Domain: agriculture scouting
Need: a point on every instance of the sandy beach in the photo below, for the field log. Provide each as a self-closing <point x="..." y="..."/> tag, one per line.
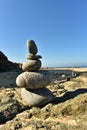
<point x="67" y="111"/>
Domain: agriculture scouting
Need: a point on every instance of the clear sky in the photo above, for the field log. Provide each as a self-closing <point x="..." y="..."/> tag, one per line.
<point x="59" y="28"/>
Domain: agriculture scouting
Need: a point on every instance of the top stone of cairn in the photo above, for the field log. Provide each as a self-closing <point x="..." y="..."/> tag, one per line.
<point x="31" y="46"/>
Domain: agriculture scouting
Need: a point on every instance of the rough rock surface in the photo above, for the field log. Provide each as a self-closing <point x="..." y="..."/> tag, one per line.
<point x="6" y="65"/>
<point x="68" y="111"/>
<point x="33" y="80"/>
<point x="38" y="97"/>
<point x="31" y="65"/>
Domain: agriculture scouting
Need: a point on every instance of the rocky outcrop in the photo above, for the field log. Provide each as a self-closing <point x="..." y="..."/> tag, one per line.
<point x="6" y="65"/>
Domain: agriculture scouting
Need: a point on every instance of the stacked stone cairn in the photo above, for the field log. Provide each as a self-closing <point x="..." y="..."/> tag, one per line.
<point x="33" y="80"/>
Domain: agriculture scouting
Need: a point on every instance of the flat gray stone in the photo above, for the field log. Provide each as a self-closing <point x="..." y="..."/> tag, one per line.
<point x="31" y="65"/>
<point x="33" y="80"/>
<point x="33" y="57"/>
<point x="38" y="97"/>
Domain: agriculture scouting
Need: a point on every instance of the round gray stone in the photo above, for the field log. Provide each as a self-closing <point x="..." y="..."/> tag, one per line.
<point x="38" y="97"/>
<point x="33" y="80"/>
<point x="31" y="65"/>
<point x="32" y="48"/>
<point x="33" y="57"/>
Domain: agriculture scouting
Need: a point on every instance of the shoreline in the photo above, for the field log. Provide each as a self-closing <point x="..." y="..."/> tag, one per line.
<point x="72" y="68"/>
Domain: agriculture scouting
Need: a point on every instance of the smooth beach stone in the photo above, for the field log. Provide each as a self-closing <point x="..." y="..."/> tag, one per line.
<point x="31" y="65"/>
<point x="38" y="97"/>
<point x="33" y="57"/>
<point x="32" y="48"/>
<point x="33" y="80"/>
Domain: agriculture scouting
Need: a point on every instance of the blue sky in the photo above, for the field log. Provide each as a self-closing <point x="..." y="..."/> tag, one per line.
<point x="59" y="28"/>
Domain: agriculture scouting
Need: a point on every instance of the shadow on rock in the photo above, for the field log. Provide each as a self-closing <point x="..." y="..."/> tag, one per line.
<point x="8" y="113"/>
<point x="69" y="95"/>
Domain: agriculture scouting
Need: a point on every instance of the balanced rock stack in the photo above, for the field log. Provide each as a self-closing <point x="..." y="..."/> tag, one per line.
<point x="33" y="81"/>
